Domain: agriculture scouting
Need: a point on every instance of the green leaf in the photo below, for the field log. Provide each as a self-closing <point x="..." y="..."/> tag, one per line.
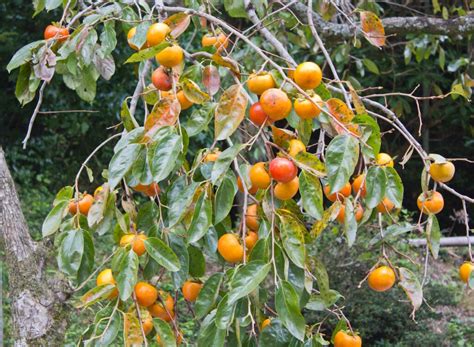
<point x="208" y="295"/>
<point x="127" y="274"/>
<point x="210" y="334"/>
<point x="95" y="295"/>
<point x="274" y="335"/>
<point x="65" y="194"/>
<point x="235" y="8"/>
<point x="202" y="218"/>
<point x="394" y="190"/>
<point x="433" y="235"/>
<point x="412" y="287"/>
<point x="139" y="39"/>
<point x="289" y="311"/>
<point x="87" y="260"/>
<point x="197" y="262"/>
<point x="225" y="313"/>
<point x="26" y="85"/>
<point x="108" y="39"/>
<point x="147" y="53"/>
<point x="129" y="122"/>
<point x="108" y="336"/>
<point x="52" y="4"/>
<point x="247" y="278"/>
<point x="178" y="246"/>
<point x="230" y="111"/>
<point x="53" y="220"/>
<point x="292" y="234"/>
<point x="162" y="155"/>
<point x="200" y="118"/>
<point x="371" y="66"/>
<point x="317" y="303"/>
<point x="23" y="55"/>
<point x="376" y="182"/>
<point x="71" y="251"/>
<point x="342" y="154"/>
<point x="223" y="162"/>
<point x="163" y="330"/>
<point x="121" y="162"/>
<point x="350" y="222"/>
<point x="180" y="197"/>
<point x="311" y="194"/>
<point x="162" y="254"/>
<point x="319" y="270"/>
<point x="224" y="199"/>
<point x="370" y="126"/>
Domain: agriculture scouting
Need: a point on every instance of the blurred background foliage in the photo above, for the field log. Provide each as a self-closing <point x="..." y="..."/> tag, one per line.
<point x="60" y="142"/>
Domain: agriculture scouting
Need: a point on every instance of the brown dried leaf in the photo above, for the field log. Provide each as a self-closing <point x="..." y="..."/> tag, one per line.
<point x="373" y="28"/>
<point x="230" y="111"/>
<point x="228" y="63"/>
<point x="178" y="23"/>
<point x="211" y="79"/>
<point x="339" y="110"/>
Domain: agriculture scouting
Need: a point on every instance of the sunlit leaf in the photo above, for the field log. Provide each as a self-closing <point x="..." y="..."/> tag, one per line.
<point x="339" y="110"/>
<point x="373" y="28"/>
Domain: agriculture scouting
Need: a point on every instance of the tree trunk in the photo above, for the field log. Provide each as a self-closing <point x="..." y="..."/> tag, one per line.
<point x="37" y="301"/>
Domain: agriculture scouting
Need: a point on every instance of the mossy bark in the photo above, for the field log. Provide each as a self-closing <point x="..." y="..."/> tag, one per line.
<point x="37" y="298"/>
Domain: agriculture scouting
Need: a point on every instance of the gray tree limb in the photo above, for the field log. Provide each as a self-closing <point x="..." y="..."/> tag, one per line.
<point x="453" y="27"/>
<point x="37" y="301"/>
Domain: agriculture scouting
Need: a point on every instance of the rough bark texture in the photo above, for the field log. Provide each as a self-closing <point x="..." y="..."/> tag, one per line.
<point x="455" y="27"/>
<point x="37" y="301"/>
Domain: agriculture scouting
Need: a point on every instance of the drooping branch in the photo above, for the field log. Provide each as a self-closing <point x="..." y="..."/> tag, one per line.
<point x="460" y="26"/>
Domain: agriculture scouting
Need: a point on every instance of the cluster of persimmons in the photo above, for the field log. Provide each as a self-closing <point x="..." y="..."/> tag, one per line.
<point x="279" y="174"/>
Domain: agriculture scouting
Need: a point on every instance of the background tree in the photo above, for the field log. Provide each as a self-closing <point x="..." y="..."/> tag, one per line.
<point x="342" y="55"/>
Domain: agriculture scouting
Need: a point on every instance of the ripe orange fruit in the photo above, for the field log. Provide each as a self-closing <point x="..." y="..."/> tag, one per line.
<point x="257" y="116"/>
<point x="252" y="190"/>
<point x="286" y="191"/>
<point x="308" y="75"/>
<point x="170" y="56"/>
<point x="104" y="278"/>
<point x="430" y="202"/>
<point x="251" y="217"/>
<point x="275" y="103"/>
<point x="58" y="33"/>
<point x="381" y="279"/>
<point x="137" y="242"/>
<point x="465" y="271"/>
<point x="295" y="147"/>
<point x="340" y="195"/>
<point x="282" y="170"/>
<point x="131" y="33"/>
<point x="344" y="339"/>
<point x="306" y="109"/>
<point x="161" y="79"/>
<point x="251" y="239"/>
<point x="442" y="172"/>
<point x="259" y="177"/>
<point x="266" y="322"/>
<point x="191" y="290"/>
<point x="84" y="205"/>
<point x="156" y="34"/>
<point x="152" y="189"/>
<point x="220" y="41"/>
<point x="258" y="83"/>
<point x="229" y="248"/>
<point x="160" y="311"/>
<point x="359" y="213"/>
<point x="383" y="159"/>
<point x="183" y="100"/>
<point x="357" y="185"/>
<point x="385" y="206"/>
<point x="211" y="157"/>
<point x="145" y="293"/>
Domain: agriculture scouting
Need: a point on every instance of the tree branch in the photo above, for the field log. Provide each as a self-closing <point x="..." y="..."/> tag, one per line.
<point x="460" y="26"/>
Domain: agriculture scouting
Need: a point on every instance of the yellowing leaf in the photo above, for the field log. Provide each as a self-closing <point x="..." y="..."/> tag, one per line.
<point x="412" y="288"/>
<point x="178" y="23"/>
<point x="282" y="136"/>
<point x="228" y="63"/>
<point x="165" y="112"/>
<point x="373" y="28"/>
<point x="230" y="112"/>
<point x="193" y="93"/>
<point x="132" y="331"/>
<point x="339" y="110"/>
<point x="211" y="79"/>
<point x="359" y="106"/>
<point x="328" y="216"/>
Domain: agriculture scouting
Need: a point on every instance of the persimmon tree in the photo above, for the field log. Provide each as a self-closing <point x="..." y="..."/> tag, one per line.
<point x="234" y="227"/>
